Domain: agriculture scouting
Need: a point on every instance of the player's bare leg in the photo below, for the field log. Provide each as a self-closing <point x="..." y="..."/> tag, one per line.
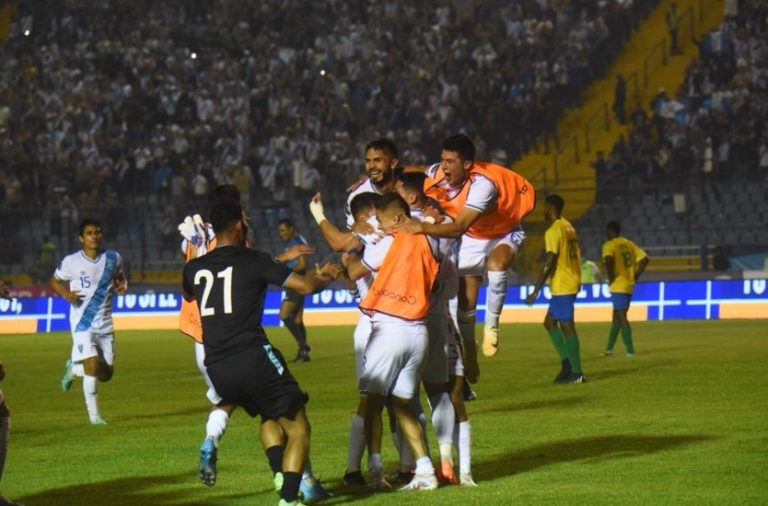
<point x="424" y="479"/>
<point x="469" y="287"/>
<point x="296" y="452"/>
<point x="498" y="265"/>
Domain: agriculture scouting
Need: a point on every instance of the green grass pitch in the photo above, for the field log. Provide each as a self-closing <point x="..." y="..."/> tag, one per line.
<point x="684" y="422"/>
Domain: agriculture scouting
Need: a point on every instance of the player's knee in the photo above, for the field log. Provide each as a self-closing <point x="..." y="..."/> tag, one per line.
<point x="105" y="372"/>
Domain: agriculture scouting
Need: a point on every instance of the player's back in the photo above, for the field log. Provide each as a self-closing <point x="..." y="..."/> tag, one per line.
<point x="230" y="285"/>
<point x="561" y="238"/>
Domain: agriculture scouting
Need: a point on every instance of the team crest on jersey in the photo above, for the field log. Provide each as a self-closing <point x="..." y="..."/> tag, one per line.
<point x="80" y="348"/>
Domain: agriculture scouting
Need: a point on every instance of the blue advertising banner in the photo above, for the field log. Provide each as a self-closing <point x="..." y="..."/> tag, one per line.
<point x="664" y="300"/>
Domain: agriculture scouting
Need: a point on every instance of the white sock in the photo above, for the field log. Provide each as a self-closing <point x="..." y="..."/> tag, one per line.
<point x="424" y="466"/>
<point x="356" y="443"/>
<point x="467" y="328"/>
<point x="497" y="291"/>
<point x="443" y="420"/>
<point x="91" y="397"/>
<point x="465" y="443"/>
<point x="218" y="419"/>
<point x="374" y="463"/>
<point x="77" y="370"/>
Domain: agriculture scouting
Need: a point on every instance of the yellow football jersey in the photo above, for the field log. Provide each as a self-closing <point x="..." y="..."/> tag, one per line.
<point x="561" y="239"/>
<point x="625" y="256"/>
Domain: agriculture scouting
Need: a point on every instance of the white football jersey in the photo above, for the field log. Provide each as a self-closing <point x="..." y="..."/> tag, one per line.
<point x="94" y="279"/>
<point x="364" y="187"/>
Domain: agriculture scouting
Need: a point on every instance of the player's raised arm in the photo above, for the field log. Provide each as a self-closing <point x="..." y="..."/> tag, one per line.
<point x="294" y="252"/>
<point x="337" y="239"/>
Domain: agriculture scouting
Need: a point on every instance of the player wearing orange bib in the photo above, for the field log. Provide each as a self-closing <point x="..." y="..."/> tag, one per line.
<point x="624" y="262"/>
<point x="487" y="203"/>
<point x="397" y="302"/>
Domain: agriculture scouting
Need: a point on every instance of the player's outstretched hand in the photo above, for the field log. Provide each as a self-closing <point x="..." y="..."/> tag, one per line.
<point x="410" y="226"/>
<point x="362" y="228"/>
<point x="316" y="208"/>
<point x="4" y="293"/>
<point x="531" y="298"/>
<point x="75" y="297"/>
<point x="294" y="252"/>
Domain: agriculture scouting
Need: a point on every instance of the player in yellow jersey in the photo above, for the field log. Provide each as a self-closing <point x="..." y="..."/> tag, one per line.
<point x="562" y="266"/>
<point x="624" y="262"/>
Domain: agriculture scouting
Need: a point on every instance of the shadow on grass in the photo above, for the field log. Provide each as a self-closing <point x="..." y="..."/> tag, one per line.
<point x="132" y="491"/>
<point x="591" y="449"/>
<point x="530" y="405"/>
<point x="610" y="373"/>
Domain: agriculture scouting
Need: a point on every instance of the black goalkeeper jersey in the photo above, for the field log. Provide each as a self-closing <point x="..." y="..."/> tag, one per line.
<point x="230" y="285"/>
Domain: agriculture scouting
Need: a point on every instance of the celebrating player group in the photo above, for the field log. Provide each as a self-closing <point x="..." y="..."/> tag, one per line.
<point x="416" y="246"/>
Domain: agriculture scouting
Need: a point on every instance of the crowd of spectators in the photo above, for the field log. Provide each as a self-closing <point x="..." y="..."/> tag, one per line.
<point x="103" y="101"/>
<point x="714" y="129"/>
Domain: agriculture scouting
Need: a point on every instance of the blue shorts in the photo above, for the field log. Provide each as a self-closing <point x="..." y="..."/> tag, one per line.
<point x="561" y="307"/>
<point x="621" y="301"/>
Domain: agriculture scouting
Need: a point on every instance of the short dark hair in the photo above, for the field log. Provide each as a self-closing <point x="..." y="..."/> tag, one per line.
<point x="393" y="200"/>
<point x="614" y="226"/>
<point x="462" y="145"/>
<point x="555" y="201"/>
<point x="287" y="222"/>
<point x="413" y="181"/>
<point x="363" y="201"/>
<point x="86" y="222"/>
<point x="223" y="193"/>
<point x="383" y="144"/>
<point x="224" y="215"/>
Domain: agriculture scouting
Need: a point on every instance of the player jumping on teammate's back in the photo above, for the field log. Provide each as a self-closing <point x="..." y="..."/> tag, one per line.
<point x="487" y="203"/>
<point x="624" y="263"/>
<point x="562" y="266"/>
<point x="229" y="285"/>
<point x="87" y="279"/>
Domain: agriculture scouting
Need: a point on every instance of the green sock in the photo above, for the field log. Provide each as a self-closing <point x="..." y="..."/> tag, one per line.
<point x="612" y="335"/>
<point x="626" y="336"/>
<point x="572" y="344"/>
<point x="558" y="342"/>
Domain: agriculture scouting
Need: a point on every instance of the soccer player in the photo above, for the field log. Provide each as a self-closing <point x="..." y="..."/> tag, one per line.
<point x="199" y="238"/>
<point x="443" y="360"/>
<point x="87" y="279"/>
<point x="406" y="266"/>
<point x="292" y="306"/>
<point x="487" y="203"/>
<point x="4" y="292"/>
<point x="229" y="285"/>
<point x="624" y="263"/>
<point x="380" y="163"/>
<point x="5" y="422"/>
<point x="562" y="266"/>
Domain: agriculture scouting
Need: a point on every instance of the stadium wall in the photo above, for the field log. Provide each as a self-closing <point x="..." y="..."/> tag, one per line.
<point x="656" y="300"/>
